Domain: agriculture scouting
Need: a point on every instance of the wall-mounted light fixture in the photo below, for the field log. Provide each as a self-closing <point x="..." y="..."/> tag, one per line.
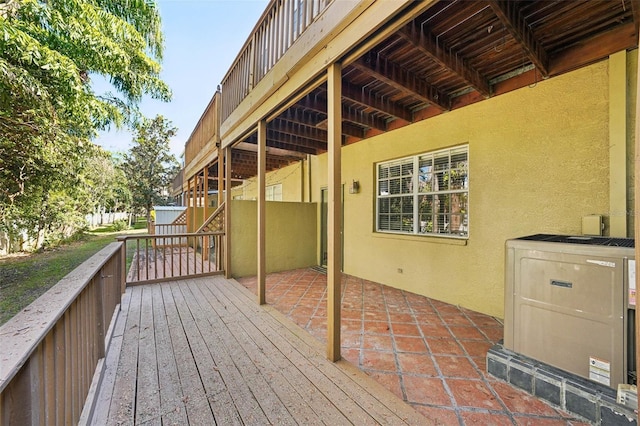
<point x="355" y="187"/>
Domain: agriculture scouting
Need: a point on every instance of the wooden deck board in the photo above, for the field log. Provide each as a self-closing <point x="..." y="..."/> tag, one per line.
<point x="122" y="410"/>
<point x="147" y="387"/>
<point x="301" y="393"/>
<point x="357" y="403"/>
<point x="172" y="408"/>
<point x="193" y="395"/>
<point x="221" y="359"/>
<point x="112" y="358"/>
<point x="266" y="373"/>
<point x="212" y="370"/>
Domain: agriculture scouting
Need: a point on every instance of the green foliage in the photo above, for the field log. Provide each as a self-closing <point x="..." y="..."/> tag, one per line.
<point x="149" y="166"/>
<point x="120" y="225"/>
<point x="50" y="174"/>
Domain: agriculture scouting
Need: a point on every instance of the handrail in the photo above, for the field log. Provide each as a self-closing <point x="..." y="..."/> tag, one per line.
<point x="280" y="26"/>
<point x="215" y="222"/>
<point x="51" y="349"/>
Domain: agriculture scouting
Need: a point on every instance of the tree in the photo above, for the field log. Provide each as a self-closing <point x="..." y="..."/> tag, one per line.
<point x="108" y="183"/>
<point x="49" y="50"/>
<point x="149" y="165"/>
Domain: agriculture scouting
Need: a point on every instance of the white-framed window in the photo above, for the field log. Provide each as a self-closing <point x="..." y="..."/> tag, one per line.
<point x="273" y="192"/>
<point x="426" y="194"/>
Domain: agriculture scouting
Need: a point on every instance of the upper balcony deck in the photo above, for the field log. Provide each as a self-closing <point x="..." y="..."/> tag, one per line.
<point x="402" y="62"/>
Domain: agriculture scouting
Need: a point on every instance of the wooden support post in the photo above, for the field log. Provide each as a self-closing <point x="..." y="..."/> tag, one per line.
<point x="227" y="214"/>
<point x="190" y="205"/>
<point x="334" y="210"/>
<point x="205" y="185"/>
<point x="220" y="176"/>
<point x="618" y="144"/>
<point x="262" y="162"/>
<point x="636" y="225"/>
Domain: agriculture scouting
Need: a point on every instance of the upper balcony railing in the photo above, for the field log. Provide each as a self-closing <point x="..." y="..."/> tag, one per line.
<point x="176" y="186"/>
<point x="280" y="26"/>
<point x="205" y="132"/>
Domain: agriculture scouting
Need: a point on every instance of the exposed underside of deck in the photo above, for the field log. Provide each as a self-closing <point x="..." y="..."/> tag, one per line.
<point x="201" y="351"/>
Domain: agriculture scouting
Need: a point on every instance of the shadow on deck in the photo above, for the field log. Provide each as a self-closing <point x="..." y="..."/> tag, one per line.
<point x="200" y="351"/>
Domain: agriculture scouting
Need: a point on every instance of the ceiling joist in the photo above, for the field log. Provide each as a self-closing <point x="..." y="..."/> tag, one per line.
<point x="508" y="14"/>
<point x="364" y="98"/>
<point x="401" y="79"/>
<point x="318" y="104"/>
<point x="427" y="45"/>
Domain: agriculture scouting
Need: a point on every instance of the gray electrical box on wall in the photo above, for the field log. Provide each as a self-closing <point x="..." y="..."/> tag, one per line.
<point x="567" y="304"/>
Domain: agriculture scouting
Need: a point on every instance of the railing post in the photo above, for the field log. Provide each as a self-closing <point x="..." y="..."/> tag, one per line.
<point x="100" y="322"/>
<point x="252" y="63"/>
<point x="122" y="270"/>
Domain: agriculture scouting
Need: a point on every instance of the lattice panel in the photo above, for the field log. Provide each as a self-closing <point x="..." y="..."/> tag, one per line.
<point x="215" y="223"/>
<point x="182" y="219"/>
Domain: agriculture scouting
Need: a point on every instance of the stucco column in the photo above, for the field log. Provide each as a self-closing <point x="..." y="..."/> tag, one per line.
<point x="262" y="163"/>
<point x="334" y="210"/>
<point x="618" y="144"/>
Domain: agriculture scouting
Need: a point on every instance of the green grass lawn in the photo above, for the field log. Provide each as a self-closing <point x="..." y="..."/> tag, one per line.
<point x="23" y="278"/>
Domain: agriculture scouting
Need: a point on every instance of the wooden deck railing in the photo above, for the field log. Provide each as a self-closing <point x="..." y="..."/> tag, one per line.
<point x="167" y="257"/>
<point x="280" y="26"/>
<point x="205" y="133"/>
<point x="176" y="186"/>
<point x="51" y="350"/>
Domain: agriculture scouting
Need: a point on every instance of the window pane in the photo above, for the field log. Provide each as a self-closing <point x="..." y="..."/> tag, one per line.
<point x="394" y="186"/>
<point x="394" y="170"/>
<point x="407" y="168"/>
<point x="383" y="205"/>
<point x="395" y="222"/>
<point x="383" y="223"/>
<point x="433" y="193"/>
<point x="407" y="185"/>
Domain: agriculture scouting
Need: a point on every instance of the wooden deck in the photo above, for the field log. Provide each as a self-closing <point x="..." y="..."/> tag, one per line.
<point x="201" y="351"/>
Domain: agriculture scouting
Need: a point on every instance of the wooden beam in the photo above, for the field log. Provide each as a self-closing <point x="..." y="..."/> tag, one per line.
<point x="318" y="104"/>
<point x="228" y="155"/>
<point x="205" y="190"/>
<point x="636" y="190"/>
<point x="594" y="49"/>
<point x="618" y="101"/>
<point x="288" y="143"/>
<point x="262" y="166"/>
<point x="220" y="176"/>
<point x="303" y="118"/>
<point x="445" y="57"/>
<point x="334" y="211"/>
<point x="635" y="9"/>
<point x="402" y="79"/>
<point x="299" y="130"/>
<point x="508" y="14"/>
<point x="363" y="97"/>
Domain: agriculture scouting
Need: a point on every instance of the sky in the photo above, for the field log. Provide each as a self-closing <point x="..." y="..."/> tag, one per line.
<point x="202" y="38"/>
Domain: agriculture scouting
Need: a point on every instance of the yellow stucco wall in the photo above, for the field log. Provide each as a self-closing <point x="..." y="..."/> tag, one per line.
<point x="538" y="163"/>
<point x="291" y="178"/>
<point x="199" y="218"/>
<point x="290" y="240"/>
